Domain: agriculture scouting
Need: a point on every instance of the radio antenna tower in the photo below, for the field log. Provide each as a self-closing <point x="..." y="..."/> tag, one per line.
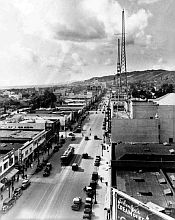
<point x="118" y="69"/>
<point x="123" y="78"/>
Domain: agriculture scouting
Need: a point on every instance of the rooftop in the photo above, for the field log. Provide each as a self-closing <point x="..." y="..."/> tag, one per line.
<point x="168" y="99"/>
<point x="18" y="134"/>
<point x="142" y="149"/>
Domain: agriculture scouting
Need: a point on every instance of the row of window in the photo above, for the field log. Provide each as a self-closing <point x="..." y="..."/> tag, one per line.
<point x="6" y="164"/>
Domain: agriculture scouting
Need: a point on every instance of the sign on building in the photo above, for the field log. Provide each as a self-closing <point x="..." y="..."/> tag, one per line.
<point x="126" y="207"/>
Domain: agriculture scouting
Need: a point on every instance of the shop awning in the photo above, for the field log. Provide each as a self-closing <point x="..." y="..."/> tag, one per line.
<point x="11" y="174"/>
<point x="1" y="185"/>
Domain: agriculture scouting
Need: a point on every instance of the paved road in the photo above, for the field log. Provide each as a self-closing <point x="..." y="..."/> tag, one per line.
<point x="51" y="197"/>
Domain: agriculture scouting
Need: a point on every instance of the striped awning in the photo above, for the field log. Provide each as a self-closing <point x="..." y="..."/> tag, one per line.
<point x="11" y="173"/>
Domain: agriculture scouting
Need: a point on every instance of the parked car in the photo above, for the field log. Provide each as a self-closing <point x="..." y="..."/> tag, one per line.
<point x="97" y="163"/>
<point x="86" y="216"/>
<point x="39" y="168"/>
<point x="56" y="149"/>
<point x="74" y="166"/>
<point x="17" y="192"/>
<point x="45" y="161"/>
<point x="95" y="176"/>
<point x="46" y="173"/>
<point x="49" y="166"/>
<point x="76" y="204"/>
<point x="8" y="204"/>
<point x="71" y="134"/>
<point x="25" y="184"/>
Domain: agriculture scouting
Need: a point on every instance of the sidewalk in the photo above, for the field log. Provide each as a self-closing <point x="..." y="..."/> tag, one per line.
<point x="30" y="171"/>
<point x="103" y="188"/>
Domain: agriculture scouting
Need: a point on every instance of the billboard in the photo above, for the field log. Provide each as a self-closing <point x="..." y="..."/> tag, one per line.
<point x="126" y="207"/>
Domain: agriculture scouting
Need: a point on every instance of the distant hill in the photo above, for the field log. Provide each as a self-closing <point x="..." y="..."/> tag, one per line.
<point x="150" y="76"/>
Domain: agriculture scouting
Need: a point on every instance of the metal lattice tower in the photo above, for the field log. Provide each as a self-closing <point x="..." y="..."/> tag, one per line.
<point x="124" y="83"/>
<point x="118" y="69"/>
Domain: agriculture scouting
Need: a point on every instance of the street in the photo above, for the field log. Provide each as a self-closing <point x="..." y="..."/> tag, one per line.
<point x="51" y="197"/>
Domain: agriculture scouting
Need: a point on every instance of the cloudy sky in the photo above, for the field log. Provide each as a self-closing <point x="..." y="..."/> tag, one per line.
<point x="53" y="41"/>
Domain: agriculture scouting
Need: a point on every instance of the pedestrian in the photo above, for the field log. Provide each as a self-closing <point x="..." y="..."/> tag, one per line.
<point x="1" y="197"/>
<point x="12" y="188"/>
<point x="101" y="179"/>
<point x="84" y="189"/>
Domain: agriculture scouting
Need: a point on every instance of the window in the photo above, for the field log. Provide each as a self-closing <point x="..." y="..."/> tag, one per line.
<point x="0" y="169"/>
<point x="11" y="161"/>
<point x="26" y="152"/>
<point x="5" y="165"/>
<point x="30" y="149"/>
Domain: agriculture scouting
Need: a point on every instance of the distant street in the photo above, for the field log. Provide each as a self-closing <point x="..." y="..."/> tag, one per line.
<point x="51" y="197"/>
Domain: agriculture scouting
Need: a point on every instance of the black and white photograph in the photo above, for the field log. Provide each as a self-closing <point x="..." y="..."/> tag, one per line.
<point x="87" y="109"/>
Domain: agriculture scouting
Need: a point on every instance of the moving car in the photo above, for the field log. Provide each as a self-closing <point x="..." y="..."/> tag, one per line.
<point x="95" y="137"/>
<point x="25" y="184"/>
<point x="74" y="166"/>
<point x="76" y="204"/>
<point x="85" y="155"/>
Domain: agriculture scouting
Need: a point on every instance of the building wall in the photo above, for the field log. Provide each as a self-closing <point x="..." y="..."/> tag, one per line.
<point x="40" y="126"/>
<point x="166" y="114"/>
<point x="6" y="162"/>
<point x="135" y="130"/>
<point x="142" y="109"/>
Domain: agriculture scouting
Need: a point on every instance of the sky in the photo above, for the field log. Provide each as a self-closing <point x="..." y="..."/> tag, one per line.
<point x="55" y="41"/>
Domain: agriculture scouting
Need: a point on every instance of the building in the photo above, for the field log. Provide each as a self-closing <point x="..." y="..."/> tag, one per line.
<point x="166" y="115"/>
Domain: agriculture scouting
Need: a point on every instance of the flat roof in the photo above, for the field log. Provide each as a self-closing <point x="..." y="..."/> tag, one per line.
<point x="148" y="191"/>
<point x="7" y="133"/>
<point x="6" y="147"/>
<point x="168" y="99"/>
<point x="142" y="148"/>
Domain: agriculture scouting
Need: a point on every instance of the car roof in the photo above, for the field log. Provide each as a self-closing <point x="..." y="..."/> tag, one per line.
<point x="24" y="181"/>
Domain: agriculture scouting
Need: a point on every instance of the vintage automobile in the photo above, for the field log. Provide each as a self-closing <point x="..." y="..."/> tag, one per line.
<point x="85" y="156"/>
<point x="73" y="138"/>
<point x="17" y="192"/>
<point x="46" y="173"/>
<point x="76" y="204"/>
<point x="25" y="184"/>
<point x="8" y="204"/>
<point x="49" y="166"/>
<point x="39" y="168"/>
<point x="74" y="166"/>
<point x="95" y="137"/>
